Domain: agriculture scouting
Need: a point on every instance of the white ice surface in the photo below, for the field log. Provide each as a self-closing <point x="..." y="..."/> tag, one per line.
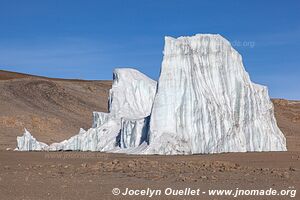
<point x="28" y="143"/>
<point x="134" y="132"/>
<point x="131" y="99"/>
<point x="99" y="118"/>
<point x="204" y="102"/>
<point x="131" y="95"/>
<point x="207" y="102"/>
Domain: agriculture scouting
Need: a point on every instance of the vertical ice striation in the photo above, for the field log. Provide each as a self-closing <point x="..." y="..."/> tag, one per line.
<point x="130" y="103"/>
<point x="100" y="138"/>
<point x="206" y="100"/>
<point x="134" y="132"/>
<point x="28" y="143"/>
<point x="131" y="95"/>
<point x="99" y="118"/>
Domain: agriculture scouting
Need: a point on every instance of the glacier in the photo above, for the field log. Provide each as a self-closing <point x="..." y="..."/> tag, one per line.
<point x="204" y="102"/>
<point x="130" y="102"/>
<point x="28" y="143"/>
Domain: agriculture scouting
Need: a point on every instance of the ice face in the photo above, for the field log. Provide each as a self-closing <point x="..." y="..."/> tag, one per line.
<point x="126" y="125"/>
<point x="132" y="94"/>
<point x="99" y="118"/>
<point x="134" y="132"/>
<point x="28" y="143"/>
<point x="204" y="102"/>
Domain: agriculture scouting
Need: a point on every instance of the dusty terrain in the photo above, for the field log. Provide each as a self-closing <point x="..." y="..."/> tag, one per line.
<point x="60" y="107"/>
<point x="82" y="175"/>
<point x="287" y="114"/>
<point x="51" y="109"/>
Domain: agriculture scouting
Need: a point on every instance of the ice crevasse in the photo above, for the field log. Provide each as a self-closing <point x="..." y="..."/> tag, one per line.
<point x="203" y="102"/>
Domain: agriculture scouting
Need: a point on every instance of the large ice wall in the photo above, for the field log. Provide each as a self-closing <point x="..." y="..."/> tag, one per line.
<point x="204" y="102"/>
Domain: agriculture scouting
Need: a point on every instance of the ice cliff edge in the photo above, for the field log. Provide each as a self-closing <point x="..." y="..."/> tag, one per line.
<point x="203" y="102"/>
<point x="206" y="100"/>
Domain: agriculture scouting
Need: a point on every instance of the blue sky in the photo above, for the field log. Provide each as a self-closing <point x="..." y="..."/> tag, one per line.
<point x="87" y="39"/>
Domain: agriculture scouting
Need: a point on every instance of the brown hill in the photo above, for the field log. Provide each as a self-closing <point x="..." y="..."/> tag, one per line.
<point x="287" y="114"/>
<point x="55" y="109"/>
<point x="52" y="109"/>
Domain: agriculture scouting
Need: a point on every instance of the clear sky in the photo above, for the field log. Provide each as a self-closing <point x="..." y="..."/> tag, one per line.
<point x="86" y="39"/>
